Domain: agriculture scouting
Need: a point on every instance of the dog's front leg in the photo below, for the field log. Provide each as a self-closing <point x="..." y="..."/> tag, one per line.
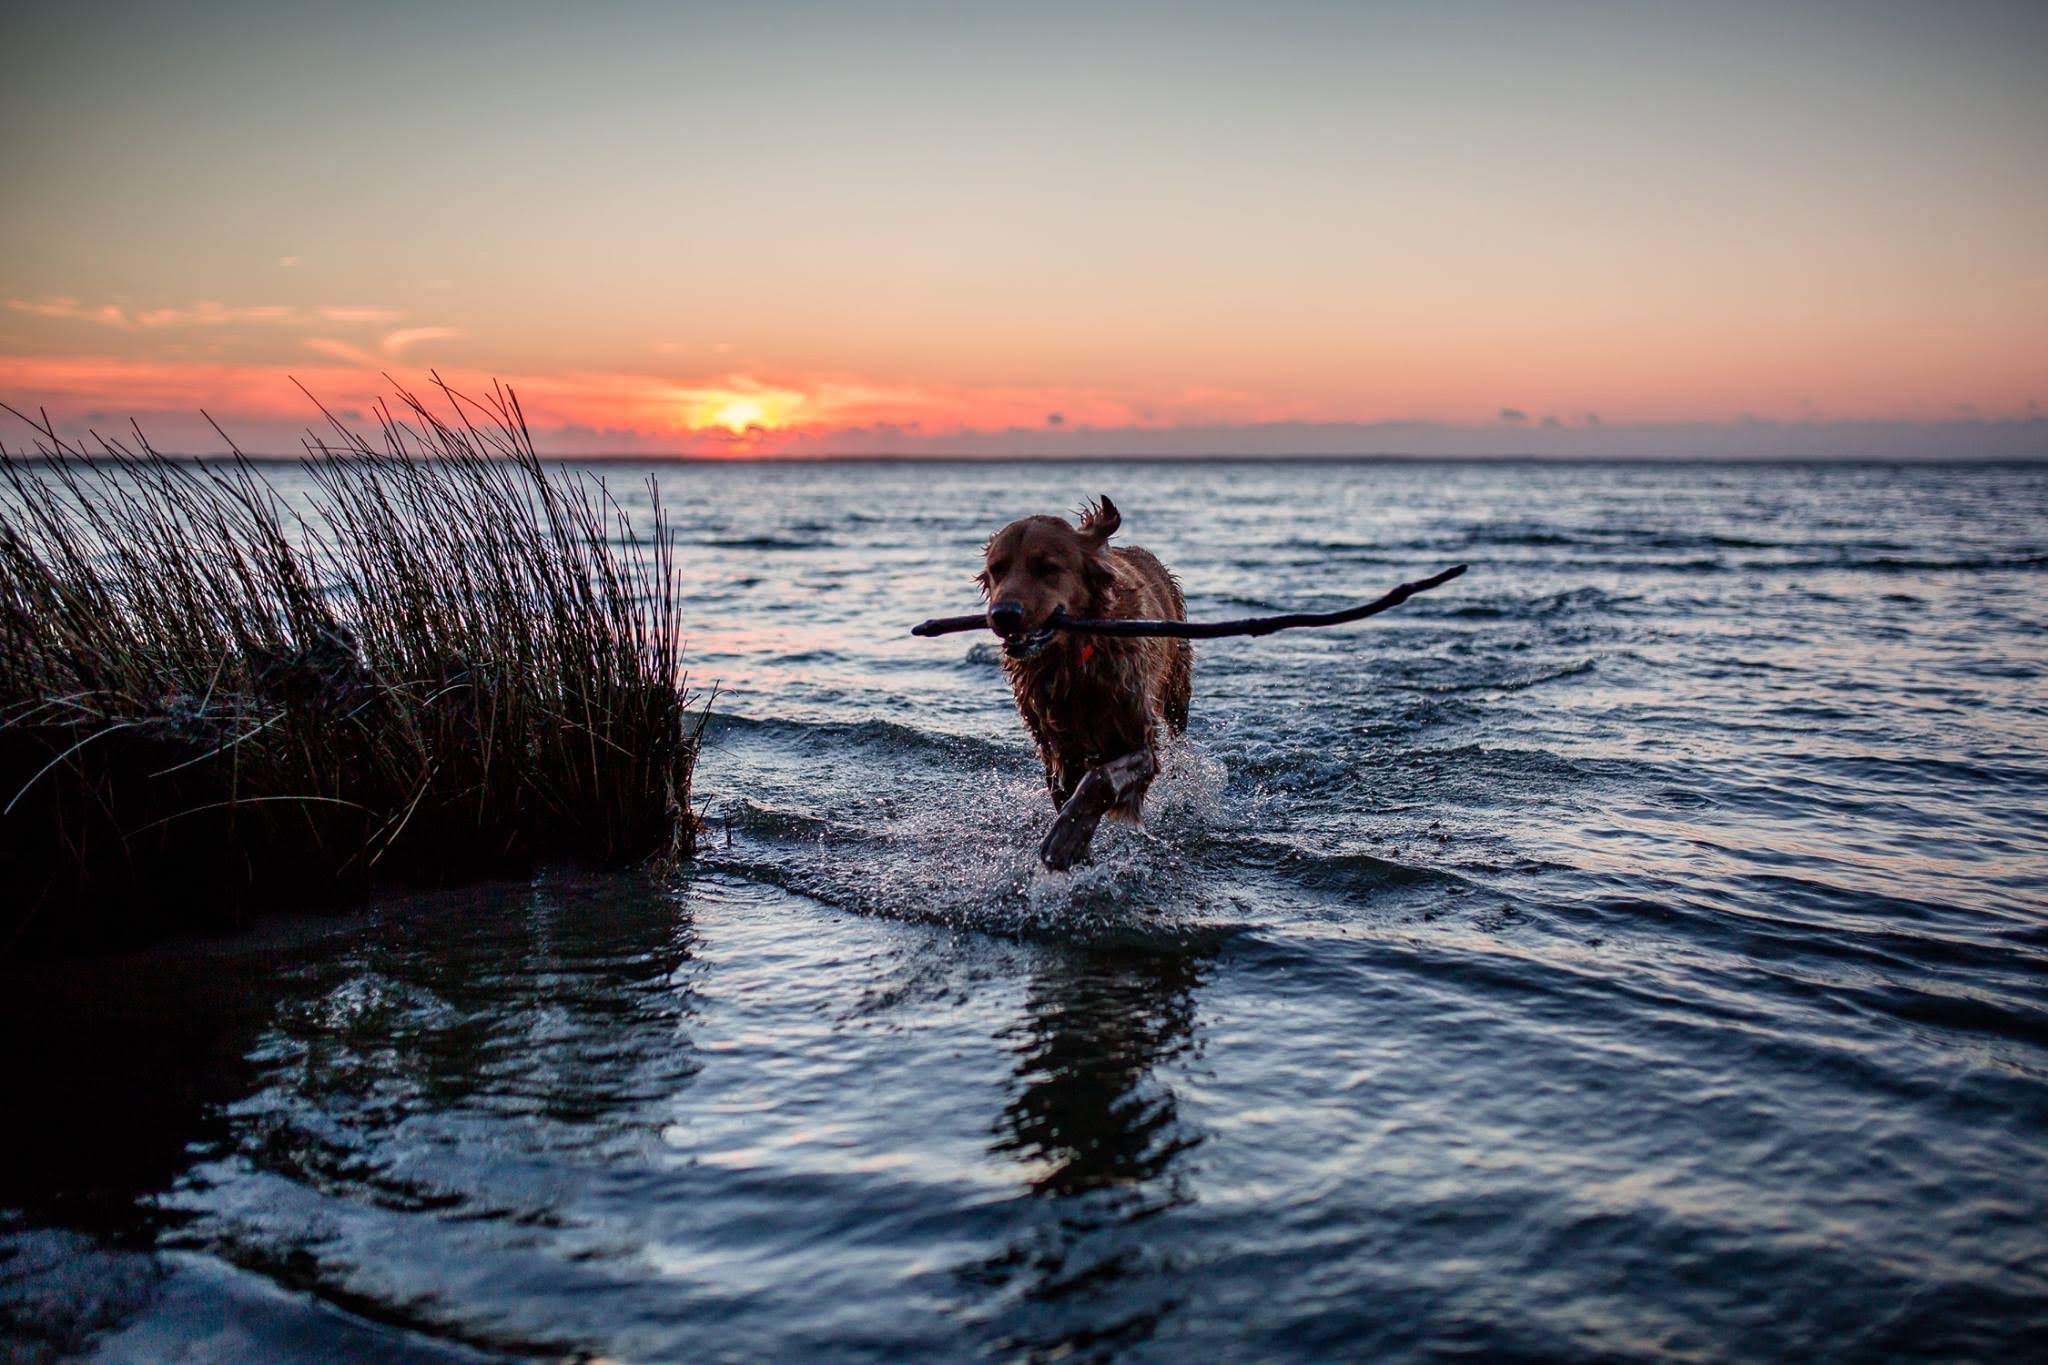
<point x="1101" y="788"/>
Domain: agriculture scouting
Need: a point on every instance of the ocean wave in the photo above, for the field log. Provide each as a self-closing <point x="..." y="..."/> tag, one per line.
<point x="1518" y="684"/>
<point x="1131" y="895"/>
<point x="749" y="816"/>
<point x="1581" y="599"/>
<point x="1905" y="563"/>
<point x="1634" y="563"/>
<point x="887" y="736"/>
<point x="1352" y="871"/>
<point x="964" y="852"/>
<point x="765" y="542"/>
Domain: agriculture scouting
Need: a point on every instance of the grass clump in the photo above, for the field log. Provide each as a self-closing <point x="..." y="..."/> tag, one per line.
<point x="449" y="661"/>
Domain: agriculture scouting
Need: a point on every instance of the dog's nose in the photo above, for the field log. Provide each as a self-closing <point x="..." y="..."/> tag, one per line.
<point x="1006" y="619"/>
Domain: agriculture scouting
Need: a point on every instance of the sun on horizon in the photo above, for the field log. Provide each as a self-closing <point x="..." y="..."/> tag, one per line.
<point x="739" y="414"/>
<point x="1283" y="230"/>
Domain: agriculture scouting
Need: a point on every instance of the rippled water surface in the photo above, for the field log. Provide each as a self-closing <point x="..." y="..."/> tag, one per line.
<point x="1638" y="947"/>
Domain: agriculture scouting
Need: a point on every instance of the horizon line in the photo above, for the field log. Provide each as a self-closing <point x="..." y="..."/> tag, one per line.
<point x="1021" y="457"/>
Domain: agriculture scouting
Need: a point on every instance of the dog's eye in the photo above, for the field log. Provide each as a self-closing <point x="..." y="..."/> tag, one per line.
<point x="1045" y="568"/>
<point x="999" y="568"/>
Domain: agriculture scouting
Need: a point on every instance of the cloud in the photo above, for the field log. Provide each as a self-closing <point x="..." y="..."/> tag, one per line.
<point x="71" y="310"/>
<point x="395" y="343"/>
<point x="204" y="313"/>
<point x="208" y="313"/>
<point x="1055" y="419"/>
<point x="1513" y="415"/>
<point x="361" y="313"/>
<point x="343" y="350"/>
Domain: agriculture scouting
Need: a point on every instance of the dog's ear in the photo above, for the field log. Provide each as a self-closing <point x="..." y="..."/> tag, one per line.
<point x="1099" y="519"/>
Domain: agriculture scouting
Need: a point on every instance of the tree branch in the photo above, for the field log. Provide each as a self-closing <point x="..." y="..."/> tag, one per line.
<point x="1206" y="630"/>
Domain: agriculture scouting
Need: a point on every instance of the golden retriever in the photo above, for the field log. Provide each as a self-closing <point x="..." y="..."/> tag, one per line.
<point x="1093" y="703"/>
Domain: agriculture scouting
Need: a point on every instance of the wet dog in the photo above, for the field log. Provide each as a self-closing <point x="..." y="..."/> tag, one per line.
<point x="1094" y="704"/>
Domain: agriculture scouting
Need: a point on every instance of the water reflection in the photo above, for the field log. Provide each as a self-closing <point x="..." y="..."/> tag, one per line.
<point x="447" y="1066"/>
<point x="356" y="1112"/>
<point x="1087" y="1113"/>
<point x="1100" y="1134"/>
<point x="523" y="1009"/>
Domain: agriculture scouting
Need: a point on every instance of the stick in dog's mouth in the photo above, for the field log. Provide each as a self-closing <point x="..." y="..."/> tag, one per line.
<point x="1028" y="646"/>
<point x="1032" y="643"/>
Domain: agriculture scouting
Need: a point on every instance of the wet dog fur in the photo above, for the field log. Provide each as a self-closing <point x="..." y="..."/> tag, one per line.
<point x="1094" y="704"/>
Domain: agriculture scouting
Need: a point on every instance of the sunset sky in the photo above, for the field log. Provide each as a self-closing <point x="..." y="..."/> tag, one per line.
<point x="763" y="228"/>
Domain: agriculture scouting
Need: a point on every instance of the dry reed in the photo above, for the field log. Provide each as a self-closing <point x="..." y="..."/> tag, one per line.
<point x="450" y="661"/>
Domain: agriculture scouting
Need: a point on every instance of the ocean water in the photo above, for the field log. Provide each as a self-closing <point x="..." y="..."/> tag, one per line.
<point x="1635" y="949"/>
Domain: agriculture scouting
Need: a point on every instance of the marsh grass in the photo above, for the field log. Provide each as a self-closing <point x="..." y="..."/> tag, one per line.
<point x="451" y="661"/>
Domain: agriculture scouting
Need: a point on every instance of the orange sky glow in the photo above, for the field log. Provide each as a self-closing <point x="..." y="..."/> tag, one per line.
<point x="806" y="229"/>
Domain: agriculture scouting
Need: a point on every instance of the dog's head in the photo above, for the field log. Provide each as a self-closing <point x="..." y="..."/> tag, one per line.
<point x="1040" y="567"/>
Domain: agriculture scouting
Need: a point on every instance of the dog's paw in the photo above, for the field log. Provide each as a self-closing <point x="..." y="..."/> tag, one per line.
<point x="1068" y="841"/>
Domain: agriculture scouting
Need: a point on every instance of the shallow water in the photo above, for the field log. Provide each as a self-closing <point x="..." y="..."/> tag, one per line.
<point x="1638" y="947"/>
